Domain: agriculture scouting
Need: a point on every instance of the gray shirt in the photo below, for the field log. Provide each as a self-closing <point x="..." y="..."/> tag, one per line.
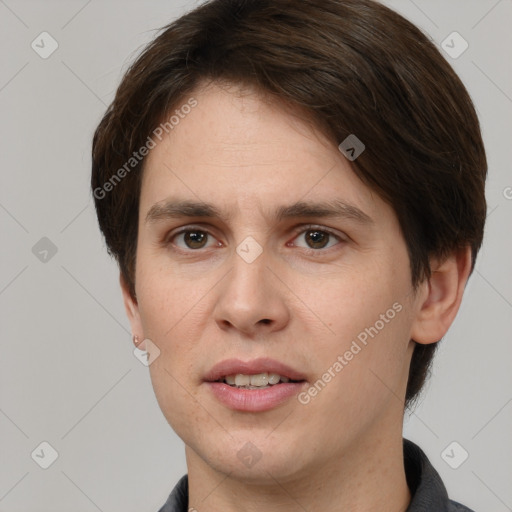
<point x="427" y="489"/>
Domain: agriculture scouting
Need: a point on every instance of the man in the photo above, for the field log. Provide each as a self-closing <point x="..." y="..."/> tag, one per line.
<point x="294" y="192"/>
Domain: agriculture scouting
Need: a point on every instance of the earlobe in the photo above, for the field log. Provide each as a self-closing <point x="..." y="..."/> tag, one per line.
<point x="440" y="303"/>
<point x="132" y="312"/>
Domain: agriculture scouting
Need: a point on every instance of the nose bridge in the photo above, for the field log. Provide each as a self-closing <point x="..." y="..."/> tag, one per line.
<point x="251" y="297"/>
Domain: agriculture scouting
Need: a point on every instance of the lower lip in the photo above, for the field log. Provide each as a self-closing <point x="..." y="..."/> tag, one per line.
<point x="255" y="400"/>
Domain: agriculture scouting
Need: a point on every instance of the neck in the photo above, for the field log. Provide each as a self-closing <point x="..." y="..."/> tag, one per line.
<point x="365" y="478"/>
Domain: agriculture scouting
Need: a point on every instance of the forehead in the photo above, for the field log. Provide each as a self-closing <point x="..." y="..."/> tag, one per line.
<point x="238" y="150"/>
<point x="239" y="127"/>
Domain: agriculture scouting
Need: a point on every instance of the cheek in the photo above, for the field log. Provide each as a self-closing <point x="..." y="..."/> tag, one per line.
<point x="168" y="315"/>
<point x="174" y="312"/>
<point x="342" y="305"/>
<point x="364" y="323"/>
<point x="167" y="299"/>
<point x="358" y="381"/>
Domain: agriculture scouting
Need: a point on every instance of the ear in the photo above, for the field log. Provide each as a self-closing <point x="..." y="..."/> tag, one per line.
<point x="132" y="312"/>
<point x="442" y="297"/>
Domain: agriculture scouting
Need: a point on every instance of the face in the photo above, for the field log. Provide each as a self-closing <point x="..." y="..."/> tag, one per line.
<point x="292" y="259"/>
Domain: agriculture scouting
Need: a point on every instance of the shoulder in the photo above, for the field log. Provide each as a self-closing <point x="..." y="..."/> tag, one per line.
<point x="453" y="506"/>
<point x="427" y="488"/>
<point x="178" y="499"/>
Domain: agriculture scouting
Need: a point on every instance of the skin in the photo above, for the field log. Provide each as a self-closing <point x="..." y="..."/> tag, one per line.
<point x="297" y="302"/>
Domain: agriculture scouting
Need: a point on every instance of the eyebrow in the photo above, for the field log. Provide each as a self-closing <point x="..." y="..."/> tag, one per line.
<point x="336" y="209"/>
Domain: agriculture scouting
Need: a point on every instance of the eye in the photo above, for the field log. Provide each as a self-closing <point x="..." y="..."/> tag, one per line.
<point x="316" y="238"/>
<point x="191" y="238"/>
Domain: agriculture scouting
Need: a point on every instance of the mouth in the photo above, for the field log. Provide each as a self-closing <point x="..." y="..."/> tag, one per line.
<point x="258" y="381"/>
<point x="254" y="386"/>
<point x="262" y="372"/>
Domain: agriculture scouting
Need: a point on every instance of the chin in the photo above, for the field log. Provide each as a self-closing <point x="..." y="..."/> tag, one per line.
<point x="264" y="472"/>
<point x="254" y="458"/>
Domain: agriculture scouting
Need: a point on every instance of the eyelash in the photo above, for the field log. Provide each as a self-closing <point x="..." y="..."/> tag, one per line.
<point x="298" y="231"/>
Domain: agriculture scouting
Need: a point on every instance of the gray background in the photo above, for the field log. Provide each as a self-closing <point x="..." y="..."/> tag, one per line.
<point x="68" y="374"/>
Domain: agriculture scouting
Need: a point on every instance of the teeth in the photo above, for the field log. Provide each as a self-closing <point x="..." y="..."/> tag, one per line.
<point x="260" y="380"/>
<point x="242" y="380"/>
<point x="273" y="378"/>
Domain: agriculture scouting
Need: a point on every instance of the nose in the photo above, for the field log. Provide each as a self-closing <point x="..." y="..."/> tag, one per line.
<point x="251" y="299"/>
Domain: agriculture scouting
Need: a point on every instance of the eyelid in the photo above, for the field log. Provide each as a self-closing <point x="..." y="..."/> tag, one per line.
<point x="207" y="228"/>
<point x="319" y="227"/>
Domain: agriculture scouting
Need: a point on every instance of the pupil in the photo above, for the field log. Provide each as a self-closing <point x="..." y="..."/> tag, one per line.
<point x="195" y="239"/>
<point x="318" y="238"/>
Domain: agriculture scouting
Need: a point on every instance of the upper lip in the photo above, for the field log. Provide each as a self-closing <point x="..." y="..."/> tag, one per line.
<point x="260" y="365"/>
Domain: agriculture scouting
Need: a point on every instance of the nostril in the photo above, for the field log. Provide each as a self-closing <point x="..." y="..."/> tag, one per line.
<point x="265" y="321"/>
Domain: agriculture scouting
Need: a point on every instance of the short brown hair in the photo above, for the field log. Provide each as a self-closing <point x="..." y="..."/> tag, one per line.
<point x="356" y="67"/>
